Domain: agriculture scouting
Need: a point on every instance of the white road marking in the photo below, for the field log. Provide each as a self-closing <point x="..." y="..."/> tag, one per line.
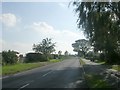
<point x="4" y="77"/>
<point x="46" y="73"/>
<point x="23" y="86"/>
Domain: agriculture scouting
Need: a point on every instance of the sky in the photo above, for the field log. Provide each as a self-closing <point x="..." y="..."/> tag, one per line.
<point x="27" y="23"/>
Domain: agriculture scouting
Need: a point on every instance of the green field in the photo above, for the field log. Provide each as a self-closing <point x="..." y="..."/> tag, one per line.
<point x="12" y="69"/>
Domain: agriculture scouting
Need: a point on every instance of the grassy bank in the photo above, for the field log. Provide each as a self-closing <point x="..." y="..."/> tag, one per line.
<point x="12" y="69"/>
<point x="96" y="81"/>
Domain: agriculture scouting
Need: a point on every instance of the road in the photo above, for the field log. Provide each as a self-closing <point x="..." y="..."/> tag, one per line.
<point x="65" y="74"/>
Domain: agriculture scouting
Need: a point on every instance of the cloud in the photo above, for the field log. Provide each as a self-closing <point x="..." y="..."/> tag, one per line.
<point x="22" y="48"/>
<point x="9" y="19"/>
<point x="62" y="5"/>
<point x="39" y="31"/>
<point x="64" y="38"/>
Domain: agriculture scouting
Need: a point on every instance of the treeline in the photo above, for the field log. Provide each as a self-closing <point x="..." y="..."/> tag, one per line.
<point x="43" y="52"/>
<point x="13" y="57"/>
<point x="37" y="57"/>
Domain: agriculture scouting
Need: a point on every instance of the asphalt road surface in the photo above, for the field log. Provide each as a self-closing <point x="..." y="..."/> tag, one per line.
<point x="65" y="74"/>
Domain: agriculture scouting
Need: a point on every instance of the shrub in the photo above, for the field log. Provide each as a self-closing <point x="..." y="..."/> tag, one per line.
<point x="9" y="57"/>
<point x="35" y="57"/>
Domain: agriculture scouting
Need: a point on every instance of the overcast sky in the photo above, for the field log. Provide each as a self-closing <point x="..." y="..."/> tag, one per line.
<point x="26" y="23"/>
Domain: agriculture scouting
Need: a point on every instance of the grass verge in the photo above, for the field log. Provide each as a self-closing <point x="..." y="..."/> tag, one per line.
<point x="96" y="81"/>
<point x="55" y="60"/>
<point x="100" y="62"/>
<point x="82" y="62"/>
<point x="12" y="69"/>
<point x="116" y="67"/>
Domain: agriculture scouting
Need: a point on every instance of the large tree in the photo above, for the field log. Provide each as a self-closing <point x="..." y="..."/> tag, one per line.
<point x="81" y="46"/>
<point x="45" y="47"/>
<point x="101" y="24"/>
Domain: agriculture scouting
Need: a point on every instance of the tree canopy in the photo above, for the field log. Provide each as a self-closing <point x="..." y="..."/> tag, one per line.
<point x="81" y="46"/>
<point x="101" y="24"/>
<point x="45" y="47"/>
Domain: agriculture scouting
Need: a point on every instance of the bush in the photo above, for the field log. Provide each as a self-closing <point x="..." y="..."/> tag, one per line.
<point x="35" y="57"/>
<point x="9" y="57"/>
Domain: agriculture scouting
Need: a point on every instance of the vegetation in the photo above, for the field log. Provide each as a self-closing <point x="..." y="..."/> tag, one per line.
<point x="116" y="67"/>
<point x="66" y="53"/>
<point x="9" y="57"/>
<point x="81" y="46"/>
<point x="59" y="54"/>
<point x="101" y="24"/>
<point x="82" y="62"/>
<point x="35" y="57"/>
<point x="46" y="47"/>
<point x="99" y="61"/>
<point x="55" y="60"/>
<point x="96" y="81"/>
<point x="12" y="69"/>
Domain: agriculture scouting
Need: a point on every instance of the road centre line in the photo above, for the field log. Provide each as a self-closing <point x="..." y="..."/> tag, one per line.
<point x="46" y="73"/>
<point x="4" y="77"/>
<point x="24" y="86"/>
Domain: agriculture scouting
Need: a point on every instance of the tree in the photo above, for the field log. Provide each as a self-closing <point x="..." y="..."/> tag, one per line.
<point x="59" y="53"/>
<point x="9" y="57"/>
<point x="45" y="47"/>
<point x="81" y="46"/>
<point x="66" y="53"/>
<point x="101" y="24"/>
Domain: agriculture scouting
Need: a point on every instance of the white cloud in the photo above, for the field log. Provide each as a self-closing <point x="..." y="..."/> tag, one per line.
<point x="41" y="30"/>
<point x="17" y="46"/>
<point x="62" y="5"/>
<point x="9" y="19"/>
<point x="64" y="38"/>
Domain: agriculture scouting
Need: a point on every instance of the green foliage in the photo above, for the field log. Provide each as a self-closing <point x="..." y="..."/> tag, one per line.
<point x="37" y="57"/>
<point x="93" y="55"/>
<point x="45" y="47"/>
<point x="9" y="57"/>
<point x="101" y="24"/>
